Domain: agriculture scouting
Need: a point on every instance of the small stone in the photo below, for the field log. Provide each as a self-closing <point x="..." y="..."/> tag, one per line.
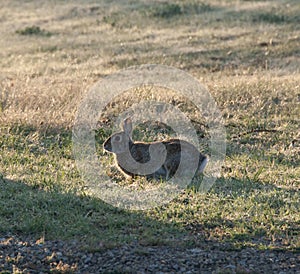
<point x="87" y="260"/>
<point x="196" y="250"/>
<point x="127" y="269"/>
<point x="175" y="267"/>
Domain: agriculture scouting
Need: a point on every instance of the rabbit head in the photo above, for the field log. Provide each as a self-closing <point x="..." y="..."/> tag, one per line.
<point x="119" y="142"/>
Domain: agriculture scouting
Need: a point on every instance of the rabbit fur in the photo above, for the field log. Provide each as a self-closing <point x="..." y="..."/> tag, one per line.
<point x="121" y="144"/>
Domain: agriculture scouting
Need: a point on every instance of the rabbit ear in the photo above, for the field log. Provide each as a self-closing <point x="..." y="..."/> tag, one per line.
<point x="127" y="126"/>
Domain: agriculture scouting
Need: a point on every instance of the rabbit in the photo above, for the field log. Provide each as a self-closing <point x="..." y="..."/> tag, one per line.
<point x="131" y="156"/>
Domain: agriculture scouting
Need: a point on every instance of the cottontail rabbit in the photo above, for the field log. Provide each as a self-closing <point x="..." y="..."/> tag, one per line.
<point x="158" y="160"/>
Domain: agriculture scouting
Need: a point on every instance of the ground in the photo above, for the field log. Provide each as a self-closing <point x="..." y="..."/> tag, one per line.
<point x="247" y="55"/>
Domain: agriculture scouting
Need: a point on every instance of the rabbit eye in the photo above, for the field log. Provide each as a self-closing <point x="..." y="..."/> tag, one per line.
<point x="117" y="138"/>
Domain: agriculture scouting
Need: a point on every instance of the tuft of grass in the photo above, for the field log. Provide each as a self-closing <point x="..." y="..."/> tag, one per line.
<point x="34" y="31"/>
<point x="166" y="10"/>
<point x="269" y="17"/>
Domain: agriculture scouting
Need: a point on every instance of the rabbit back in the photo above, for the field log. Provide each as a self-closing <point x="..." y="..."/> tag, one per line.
<point x="176" y="151"/>
<point x="179" y="150"/>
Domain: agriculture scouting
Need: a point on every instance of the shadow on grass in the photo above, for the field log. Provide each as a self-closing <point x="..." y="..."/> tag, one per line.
<point x="31" y="212"/>
<point x="248" y="213"/>
<point x="258" y="52"/>
<point x="252" y="55"/>
<point x="48" y="201"/>
<point x="26" y="210"/>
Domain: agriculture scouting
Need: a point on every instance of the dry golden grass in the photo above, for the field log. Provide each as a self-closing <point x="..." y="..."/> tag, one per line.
<point x="43" y="78"/>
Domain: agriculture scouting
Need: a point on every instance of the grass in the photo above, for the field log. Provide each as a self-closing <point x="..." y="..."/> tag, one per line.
<point x="246" y="54"/>
<point x="34" y="30"/>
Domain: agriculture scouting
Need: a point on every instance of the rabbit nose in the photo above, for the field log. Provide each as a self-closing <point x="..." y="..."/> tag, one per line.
<point x="107" y="145"/>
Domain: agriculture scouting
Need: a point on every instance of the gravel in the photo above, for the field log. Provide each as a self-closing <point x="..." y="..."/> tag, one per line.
<point x="29" y="256"/>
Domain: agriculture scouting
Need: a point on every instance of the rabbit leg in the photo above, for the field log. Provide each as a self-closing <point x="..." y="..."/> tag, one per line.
<point x="166" y="172"/>
<point x="161" y="173"/>
<point x="202" y="165"/>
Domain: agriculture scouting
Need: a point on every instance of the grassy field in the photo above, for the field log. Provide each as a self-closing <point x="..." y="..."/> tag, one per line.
<point x="246" y="52"/>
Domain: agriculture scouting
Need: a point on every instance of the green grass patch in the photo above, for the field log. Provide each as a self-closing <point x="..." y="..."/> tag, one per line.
<point x="271" y="18"/>
<point x="166" y="10"/>
<point x="34" y="31"/>
<point x="50" y="201"/>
